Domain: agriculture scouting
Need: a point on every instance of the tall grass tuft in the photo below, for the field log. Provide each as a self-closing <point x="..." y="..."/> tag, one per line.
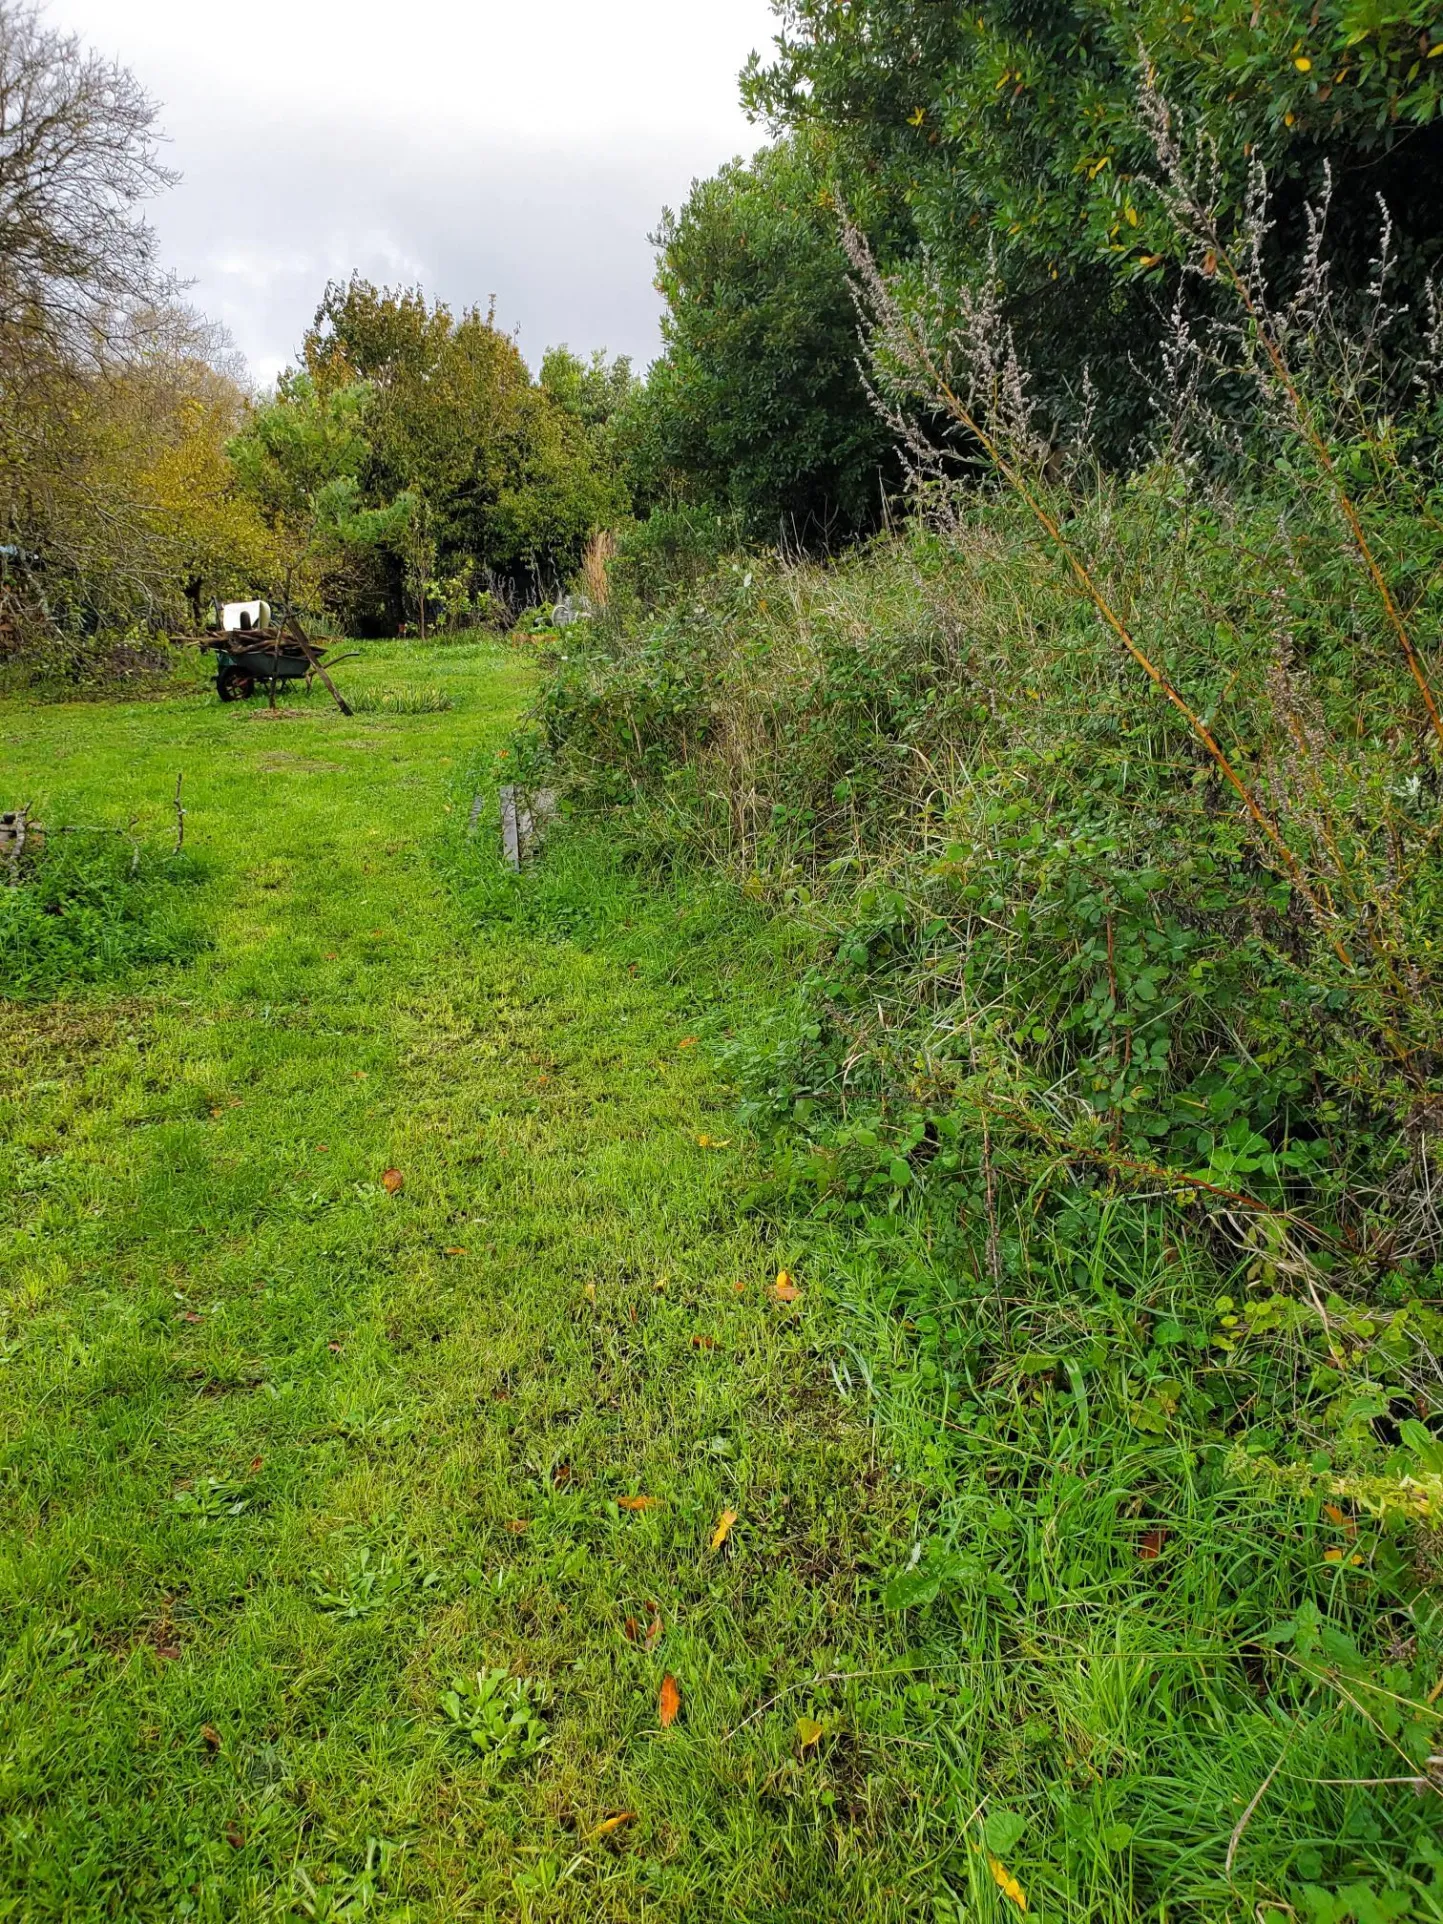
<point x="595" y="582"/>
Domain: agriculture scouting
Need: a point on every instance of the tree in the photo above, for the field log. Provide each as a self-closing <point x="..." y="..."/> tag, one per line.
<point x="1006" y="138"/>
<point x="757" y="403"/>
<point x="78" y="156"/>
<point x="455" y="461"/>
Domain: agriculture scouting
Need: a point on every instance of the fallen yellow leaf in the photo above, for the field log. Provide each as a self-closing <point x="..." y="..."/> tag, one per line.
<point x="611" y="1824"/>
<point x="713" y="1142"/>
<point x="724" y="1528"/>
<point x="809" y="1732"/>
<point x="637" y="1502"/>
<point x="669" y="1703"/>
<point x="1006" y="1882"/>
<point x="787" y="1291"/>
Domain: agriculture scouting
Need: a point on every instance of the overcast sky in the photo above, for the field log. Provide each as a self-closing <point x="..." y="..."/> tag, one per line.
<point x="521" y="148"/>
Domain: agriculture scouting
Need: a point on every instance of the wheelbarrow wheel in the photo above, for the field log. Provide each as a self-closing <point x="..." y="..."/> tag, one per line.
<point x="232" y="684"/>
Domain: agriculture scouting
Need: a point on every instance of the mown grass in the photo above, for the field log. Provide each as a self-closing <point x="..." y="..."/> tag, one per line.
<point x="285" y="1453"/>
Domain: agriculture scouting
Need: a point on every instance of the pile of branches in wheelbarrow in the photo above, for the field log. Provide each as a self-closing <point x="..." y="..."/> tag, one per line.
<point x="252" y="652"/>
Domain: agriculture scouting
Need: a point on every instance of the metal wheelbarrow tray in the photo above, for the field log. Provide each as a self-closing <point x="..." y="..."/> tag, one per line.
<point x="249" y="657"/>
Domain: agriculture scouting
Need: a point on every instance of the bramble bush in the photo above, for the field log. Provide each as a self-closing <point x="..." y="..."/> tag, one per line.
<point x="1109" y="803"/>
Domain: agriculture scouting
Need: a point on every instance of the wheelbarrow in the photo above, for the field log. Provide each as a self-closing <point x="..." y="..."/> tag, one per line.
<point x="249" y="657"/>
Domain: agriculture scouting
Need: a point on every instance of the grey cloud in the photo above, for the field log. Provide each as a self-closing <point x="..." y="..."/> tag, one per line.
<point x="557" y="233"/>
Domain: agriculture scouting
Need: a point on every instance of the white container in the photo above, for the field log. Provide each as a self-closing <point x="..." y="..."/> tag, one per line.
<point x="236" y="616"/>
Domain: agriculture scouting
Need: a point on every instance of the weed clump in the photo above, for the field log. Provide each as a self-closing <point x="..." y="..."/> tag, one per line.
<point x="94" y="907"/>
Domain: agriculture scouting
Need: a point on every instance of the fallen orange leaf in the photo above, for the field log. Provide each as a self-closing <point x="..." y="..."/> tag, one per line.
<point x="1149" y="1545"/>
<point x="669" y="1703"/>
<point x="787" y="1291"/>
<point x="1348" y="1525"/>
<point x="688" y="1042"/>
<point x="724" y="1528"/>
<point x="633" y="1630"/>
<point x="457" y="1249"/>
<point x="703" y="1342"/>
<point x="393" y="1182"/>
<point x="637" y="1502"/>
<point x="611" y="1824"/>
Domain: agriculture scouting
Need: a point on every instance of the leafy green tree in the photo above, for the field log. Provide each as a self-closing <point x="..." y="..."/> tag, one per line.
<point x="593" y="390"/>
<point x="757" y="403"/>
<point x="1007" y="136"/>
<point x="411" y="452"/>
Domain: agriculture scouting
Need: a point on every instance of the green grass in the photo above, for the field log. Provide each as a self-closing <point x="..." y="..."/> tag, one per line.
<point x="285" y="1454"/>
<point x="318" y="1600"/>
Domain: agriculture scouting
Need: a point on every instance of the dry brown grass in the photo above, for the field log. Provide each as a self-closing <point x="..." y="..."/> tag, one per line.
<point x="599" y="551"/>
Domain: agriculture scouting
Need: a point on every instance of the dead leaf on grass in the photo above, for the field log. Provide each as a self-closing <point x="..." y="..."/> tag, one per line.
<point x="669" y="1702"/>
<point x="393" y="1182"/>
<point x="210" y="1737"/>
<point x="703" y="1342"/>
<point x="1340" y="1519"/>
<point x="786" y="1289"/>
<point x="724" y="1528"/>
<point x="518" y="1526"/>
<point x="637" y="1502"/>
<point x="610" y="1824"/>
<point x="809" y="1732"/>
<point x="1006" y="1882"/>
<point x="1149" y="1545"/>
